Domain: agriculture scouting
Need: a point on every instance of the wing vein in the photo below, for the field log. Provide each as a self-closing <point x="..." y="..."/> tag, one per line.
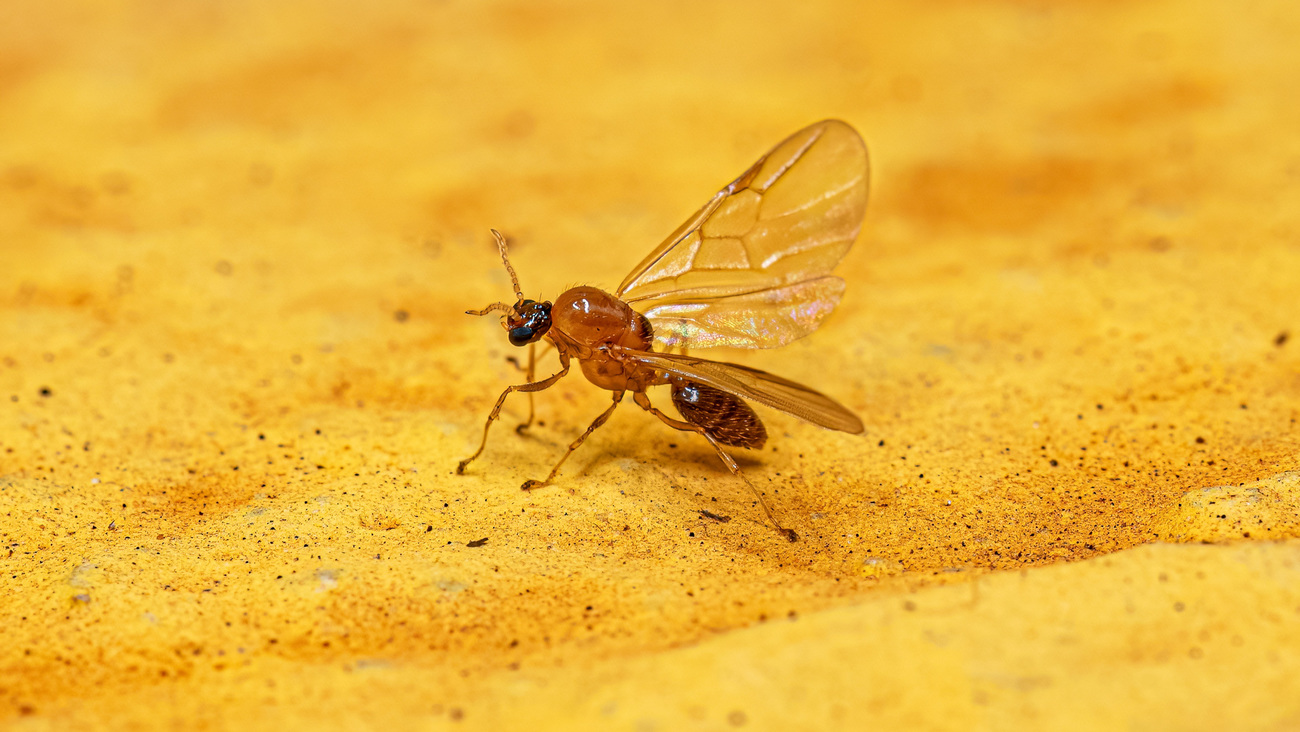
<point x="785" y="222"/>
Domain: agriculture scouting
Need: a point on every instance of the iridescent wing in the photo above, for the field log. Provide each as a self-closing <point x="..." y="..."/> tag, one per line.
<point x="759" y="386"/>
<point x="752" y="268"/>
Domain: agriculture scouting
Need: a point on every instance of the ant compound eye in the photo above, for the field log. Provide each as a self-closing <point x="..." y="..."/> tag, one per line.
<point x="531" y="321"/>
<point x="521" y="336"/>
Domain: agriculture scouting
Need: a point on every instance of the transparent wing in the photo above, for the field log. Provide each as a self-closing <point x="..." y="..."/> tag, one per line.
<point x="756" y="319"/>
<point x="759" y="386"/>
<point x="752" y="268"/>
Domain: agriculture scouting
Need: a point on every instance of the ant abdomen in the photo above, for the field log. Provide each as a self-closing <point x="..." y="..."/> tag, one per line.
<point x="724" y="417"/>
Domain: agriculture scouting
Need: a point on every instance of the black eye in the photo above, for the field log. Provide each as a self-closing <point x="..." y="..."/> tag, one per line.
<point x="521" y="336"/>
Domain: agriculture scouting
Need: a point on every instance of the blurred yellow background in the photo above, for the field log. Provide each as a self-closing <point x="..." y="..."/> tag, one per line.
<point x="237" y="240"/>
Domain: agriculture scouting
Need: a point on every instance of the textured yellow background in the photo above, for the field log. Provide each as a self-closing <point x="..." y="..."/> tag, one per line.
<point x="236" y="240"/>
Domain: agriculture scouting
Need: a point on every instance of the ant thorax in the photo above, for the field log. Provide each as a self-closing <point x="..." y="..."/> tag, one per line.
<point x="594" y="318"/>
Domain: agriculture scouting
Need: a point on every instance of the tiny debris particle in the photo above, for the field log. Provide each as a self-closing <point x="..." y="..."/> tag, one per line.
<point x="1200" y="440"/>
<point x="45" y="391"/>
<point x="456" y="714"/>
<point x="477" y="542"/>
<point x="1281" y="339"/>
<point x="401" y="316"/>
<point x="714" y="516"/>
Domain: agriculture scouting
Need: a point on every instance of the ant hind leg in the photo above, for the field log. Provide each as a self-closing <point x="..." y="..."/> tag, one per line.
<point x="643" y="401"/>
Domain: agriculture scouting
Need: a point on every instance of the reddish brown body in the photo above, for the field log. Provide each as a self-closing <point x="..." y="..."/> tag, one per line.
<point x="726" y="418"/>
<point x="751" y="269"/>
<point x="593" y="325"/>
<point x="587" y="322"/>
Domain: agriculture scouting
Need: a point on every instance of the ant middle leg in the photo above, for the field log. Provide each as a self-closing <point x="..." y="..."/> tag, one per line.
<point x="496" y="410"/>
<point x="604" y="416"/>
<point x="643" y="401"/>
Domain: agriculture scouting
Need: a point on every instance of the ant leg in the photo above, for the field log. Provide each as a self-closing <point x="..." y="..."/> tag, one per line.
<point x="528" y="371"/>
<point x="528" y="376"/>
<point x="496" y="410"/>
<point x="643" y="401"/>
<point x="515" y="361"/>
<point x="604" y="416"/>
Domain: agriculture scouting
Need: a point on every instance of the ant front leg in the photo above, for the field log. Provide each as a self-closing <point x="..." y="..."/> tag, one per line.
<point x="528" y="376"/>
<point x="496" y="410"/>
<point x="604" y="416"/>
<point x="643" y="401"/>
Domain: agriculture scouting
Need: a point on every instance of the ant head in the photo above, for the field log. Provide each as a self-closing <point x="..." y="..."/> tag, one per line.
<point x="528" y="322"/>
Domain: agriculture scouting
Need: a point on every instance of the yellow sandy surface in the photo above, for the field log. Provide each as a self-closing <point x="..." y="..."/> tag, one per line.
<point x="237" y="240"/>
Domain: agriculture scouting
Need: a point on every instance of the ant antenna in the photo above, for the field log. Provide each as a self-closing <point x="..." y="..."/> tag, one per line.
<point x="514" y="279"/>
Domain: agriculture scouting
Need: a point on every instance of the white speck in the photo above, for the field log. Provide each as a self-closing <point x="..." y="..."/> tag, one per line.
<point x="328" y="580"/>
<point x="450" y="586"/>
<point x="1035" y="425"/>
